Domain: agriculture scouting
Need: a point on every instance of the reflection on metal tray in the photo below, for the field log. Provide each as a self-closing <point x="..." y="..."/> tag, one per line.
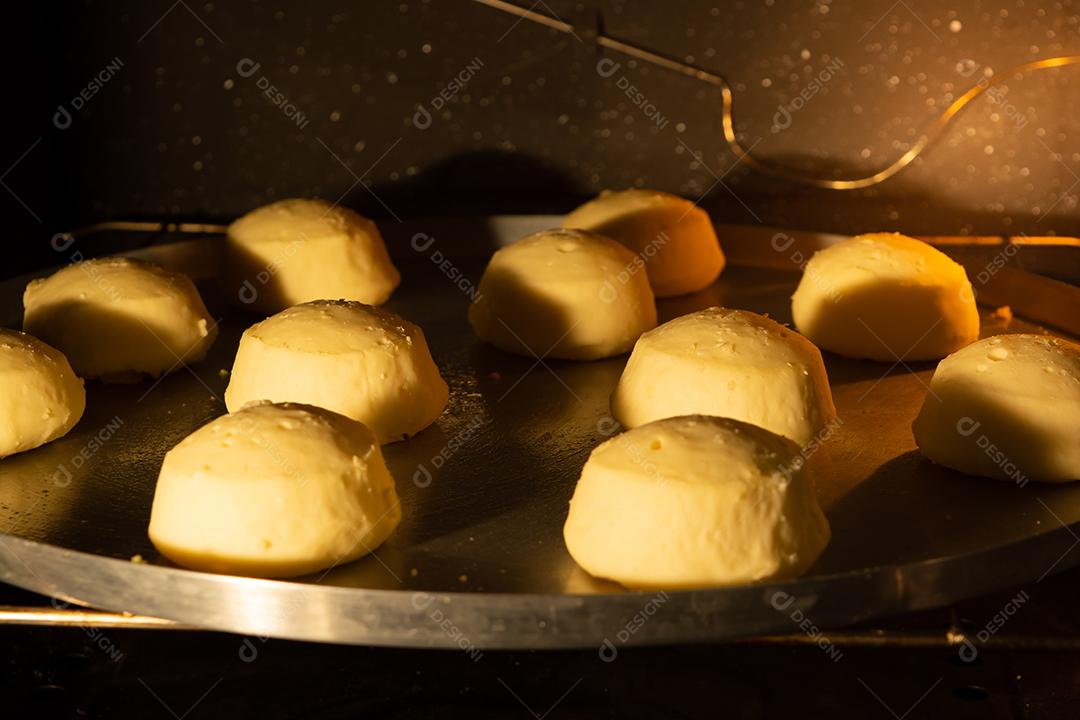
<point x="479" y="558"/>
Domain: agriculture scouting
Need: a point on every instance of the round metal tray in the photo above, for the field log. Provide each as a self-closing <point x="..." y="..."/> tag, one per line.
<point x="478" y="561"/>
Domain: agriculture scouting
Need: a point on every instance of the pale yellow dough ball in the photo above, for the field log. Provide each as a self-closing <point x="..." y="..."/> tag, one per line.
<point x="672" y="235"/>
<point x="695" y="501"/>
<point x="1006" y="407"/>
<point x="293" y="251"/>
<point x="273" y="491"/>
<point x="41" y="398"/>
<point x="120" y="318"/>
<point x="563" y="294"/>
<point x="729" y="363"/>
<point x="365" y="363"/>
<point x="885" y="297"/>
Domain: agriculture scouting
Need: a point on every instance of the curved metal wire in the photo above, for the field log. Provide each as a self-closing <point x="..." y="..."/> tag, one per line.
<point x="933" y="131"/>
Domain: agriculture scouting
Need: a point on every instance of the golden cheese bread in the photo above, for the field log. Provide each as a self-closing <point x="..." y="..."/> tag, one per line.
<point x="273" y="491"/>
<point x="563" y="294"/>
<point x="885" y="297"/>
<point x="297" y="250"/>
<point x="729" y="363"/>
<point x="1006" y="407"/>
<point x="119" y="318"/>
<point x="673" y="236"/>
<point x="695" y="501"/>
<point x="361" y="361"/>
<point x="41" y="398"/>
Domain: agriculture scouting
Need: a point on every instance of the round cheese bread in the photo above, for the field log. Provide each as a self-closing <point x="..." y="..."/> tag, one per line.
<point x="365" y="363"/>
<point x="119" y="318"/>
<point x="273" y="491"/>
<point x="728" y="363"/>
<point x="563" y="294"/>
<point x="293" y="251"/>
<point x="673" y="236"/>
<point x="1006" y="407"/>
<point x="695" y="501"/>
<point x="885" y="297"/>
<point x="41" y="398"/>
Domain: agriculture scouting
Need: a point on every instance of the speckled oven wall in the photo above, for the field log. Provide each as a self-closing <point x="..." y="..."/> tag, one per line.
<point x="180" y="125"/>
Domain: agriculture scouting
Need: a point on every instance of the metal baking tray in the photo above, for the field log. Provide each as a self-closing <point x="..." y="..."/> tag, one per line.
<point x="478" y="560"/>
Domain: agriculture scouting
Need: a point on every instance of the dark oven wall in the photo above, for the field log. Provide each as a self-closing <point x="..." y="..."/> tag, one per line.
<point x="204" y="110"/>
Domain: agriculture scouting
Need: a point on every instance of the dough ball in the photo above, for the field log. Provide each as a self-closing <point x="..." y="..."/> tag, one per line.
<point x="673" y="235"/>
<point x="40" y="396"/>
<point x="273" y="491"/>
<point x="365" y="363"/>
<point x="119" y="318"/>
<point x="728" y="363"/>
<point x="695" y="501"/>
<point x="885" y="296"/>
<point x="563" y="294"/>
<point x="293" y="251"/>
<point x="1006" y="407"/>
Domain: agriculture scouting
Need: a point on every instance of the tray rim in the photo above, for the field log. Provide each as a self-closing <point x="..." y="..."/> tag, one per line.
<point x="481" y="620"/>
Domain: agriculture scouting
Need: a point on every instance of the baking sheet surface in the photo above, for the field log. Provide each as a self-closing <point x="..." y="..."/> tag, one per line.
<point x="485" y="494"/>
